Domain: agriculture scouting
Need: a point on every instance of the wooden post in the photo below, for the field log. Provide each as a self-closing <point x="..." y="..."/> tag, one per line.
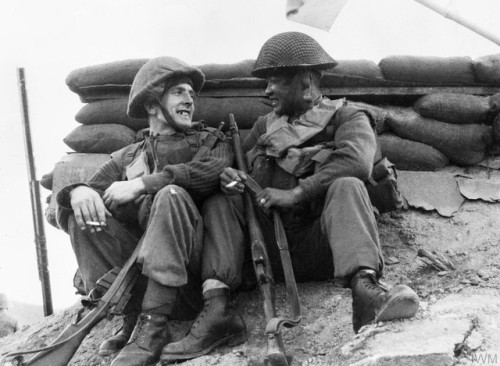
<point x="40" y="241"/>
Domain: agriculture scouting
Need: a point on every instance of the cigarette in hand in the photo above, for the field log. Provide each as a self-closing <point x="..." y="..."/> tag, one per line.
<point x="231" y="184"/>
<point x="93" y="223"/>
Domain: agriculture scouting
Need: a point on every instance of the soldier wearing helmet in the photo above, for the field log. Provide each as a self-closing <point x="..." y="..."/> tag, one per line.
<point x="155" y="189"/>
<point x="8" y="324"/>
<point x="312" y="155"/>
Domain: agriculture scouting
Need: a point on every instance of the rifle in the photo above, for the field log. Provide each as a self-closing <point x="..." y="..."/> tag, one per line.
<point x="275" y="354"/>
<point x="116" y="289"/>
<point x="62" y="349"/>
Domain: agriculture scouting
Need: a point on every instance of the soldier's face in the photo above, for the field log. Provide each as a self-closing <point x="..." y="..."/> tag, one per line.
<point x="286" y="94"/>
<point x="178" y="106"/>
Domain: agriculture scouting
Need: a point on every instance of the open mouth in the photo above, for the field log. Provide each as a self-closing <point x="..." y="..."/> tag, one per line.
<point x="184" y="113"/>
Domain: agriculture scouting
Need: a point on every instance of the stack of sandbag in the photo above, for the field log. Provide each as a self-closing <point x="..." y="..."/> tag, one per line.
<point x="439" y="129"/>
<point x="413" y="138"/>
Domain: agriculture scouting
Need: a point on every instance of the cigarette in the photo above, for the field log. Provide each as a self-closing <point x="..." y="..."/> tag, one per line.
<point x="93" y="223"/>
<point x="231" y="184"/>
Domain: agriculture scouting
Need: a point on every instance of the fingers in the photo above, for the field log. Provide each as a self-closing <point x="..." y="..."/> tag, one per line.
<point x="264" y="199"/>
<point x="80" y="221"/>
<point x="89" y="219"/>
<point x="101" y="214"/>
<point x="231" y="181"/>
<point x="89" y="210"/>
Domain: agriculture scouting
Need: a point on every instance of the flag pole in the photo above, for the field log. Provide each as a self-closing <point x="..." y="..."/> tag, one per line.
<point x="40" y="241"/>
<point x="460" y="20"/>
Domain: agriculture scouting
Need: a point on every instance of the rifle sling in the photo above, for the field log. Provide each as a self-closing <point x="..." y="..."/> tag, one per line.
<point x="275" y="324"/>
<point x="123" y="282"/>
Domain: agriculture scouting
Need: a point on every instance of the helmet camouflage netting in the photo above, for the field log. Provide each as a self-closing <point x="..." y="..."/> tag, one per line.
<point x="291" y="50"/>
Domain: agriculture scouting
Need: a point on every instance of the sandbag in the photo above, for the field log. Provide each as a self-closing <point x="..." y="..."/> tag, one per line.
<point x="494" y="103"/>
<point x="429" y="70"/>
<point x="496" y="130"/>
<point x="101" y="139"/>
<point x="46" y="180"/>
<point x="487" y="69"/>
<point x="239" y="69"/>
<point x="246" y="110"/>
<point x="92" y="94"/>
<point x="72" y="168"/>
<point x="462" y="144"/>
<point x="377" y="113"/>
<point x="361" y="68"/>
<point x="113" y="79"/>
<point x="454" y="108"/>
<point x="109" y="111"/>
<point x="411" y="155"/>
<point x="111" y="74"/>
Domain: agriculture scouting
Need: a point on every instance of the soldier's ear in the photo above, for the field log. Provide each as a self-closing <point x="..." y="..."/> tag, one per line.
<point x="151" y="108"/>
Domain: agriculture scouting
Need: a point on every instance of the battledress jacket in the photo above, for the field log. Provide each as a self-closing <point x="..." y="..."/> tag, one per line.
<point x="169" y="159"/>
<point x="348" y="149"/>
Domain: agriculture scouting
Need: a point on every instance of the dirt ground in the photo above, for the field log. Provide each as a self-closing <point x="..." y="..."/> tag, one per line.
<point x="470" y="239"/>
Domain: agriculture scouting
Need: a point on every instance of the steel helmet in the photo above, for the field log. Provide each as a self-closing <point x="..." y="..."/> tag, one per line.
<point x="291" y="50"/>
<point x="150" y="81"/>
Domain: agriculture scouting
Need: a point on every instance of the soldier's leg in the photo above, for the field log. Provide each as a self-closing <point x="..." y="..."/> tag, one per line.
<point x="350" y="225"/>
<point x="99" y="252"/>
<point x="223" y="249"/>
<point x="170" y="256"/>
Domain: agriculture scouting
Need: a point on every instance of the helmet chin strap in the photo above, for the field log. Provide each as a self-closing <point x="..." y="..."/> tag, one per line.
<point x="165" y="113"/>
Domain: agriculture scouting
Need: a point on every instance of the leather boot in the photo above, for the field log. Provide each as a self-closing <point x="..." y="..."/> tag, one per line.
<point x="131" y="312"/>
<point x="116" y="342"/>
<point x="218" y="323"/>
<point x="372" y="301"/>
<point x="150" y="335"/>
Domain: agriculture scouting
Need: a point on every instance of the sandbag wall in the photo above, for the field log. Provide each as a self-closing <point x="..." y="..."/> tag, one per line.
<point x="417" y="132"/>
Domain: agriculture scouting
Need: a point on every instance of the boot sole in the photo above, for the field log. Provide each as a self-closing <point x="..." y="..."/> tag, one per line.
<point x="232" y="340"/>
<point x="108" y="352"/>
<point x="400" y="305"/>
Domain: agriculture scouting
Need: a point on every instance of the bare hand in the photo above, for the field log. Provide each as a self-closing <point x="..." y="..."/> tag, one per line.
<point x="119" y="193"/>
<point x="88" y="208"/>
<point x="272" y="197"/>
<point x="231" y="181"/>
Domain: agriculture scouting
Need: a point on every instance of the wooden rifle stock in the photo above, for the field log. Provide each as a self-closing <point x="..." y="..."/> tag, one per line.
<point x="275" y="354"/>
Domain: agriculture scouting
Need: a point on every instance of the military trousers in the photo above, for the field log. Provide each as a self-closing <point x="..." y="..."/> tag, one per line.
<point x="342" y="240"/>
<point x="172" y="251"/>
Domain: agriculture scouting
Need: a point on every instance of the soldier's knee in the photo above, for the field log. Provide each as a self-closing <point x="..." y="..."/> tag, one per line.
<point x="170" y="192"/>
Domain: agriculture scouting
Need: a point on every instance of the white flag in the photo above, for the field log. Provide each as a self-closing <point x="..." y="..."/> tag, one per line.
<point x="316" y="13"/>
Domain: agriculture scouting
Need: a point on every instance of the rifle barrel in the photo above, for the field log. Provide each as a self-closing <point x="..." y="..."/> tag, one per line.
<point x="40" y="241"/>
<point x="275" y="355"/>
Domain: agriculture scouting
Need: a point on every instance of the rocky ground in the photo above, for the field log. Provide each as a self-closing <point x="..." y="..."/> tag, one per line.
<point x="457" y="323"/>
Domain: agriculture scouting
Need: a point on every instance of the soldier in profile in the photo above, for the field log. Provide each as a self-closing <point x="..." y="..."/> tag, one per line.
<point x="8" y="324"/>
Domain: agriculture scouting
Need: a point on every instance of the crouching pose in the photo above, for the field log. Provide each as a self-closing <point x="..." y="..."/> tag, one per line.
<point x="312" y="155"/>
<point x="152" y="193"/>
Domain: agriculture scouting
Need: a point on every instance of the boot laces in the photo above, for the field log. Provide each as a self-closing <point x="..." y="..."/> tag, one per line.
<point x="371" y="282"/>
<point x="139" y="332"/>
<point x="202" y="314"/>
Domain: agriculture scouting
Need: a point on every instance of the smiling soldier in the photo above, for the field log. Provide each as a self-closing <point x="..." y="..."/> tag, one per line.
<point x="155" y="190"/>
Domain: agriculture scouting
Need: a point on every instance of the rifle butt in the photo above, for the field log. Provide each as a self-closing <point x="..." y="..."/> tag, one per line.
<point x="275" y="354"/>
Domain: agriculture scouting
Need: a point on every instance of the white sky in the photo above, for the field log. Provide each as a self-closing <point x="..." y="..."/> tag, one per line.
<point x="50" y="38"/>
